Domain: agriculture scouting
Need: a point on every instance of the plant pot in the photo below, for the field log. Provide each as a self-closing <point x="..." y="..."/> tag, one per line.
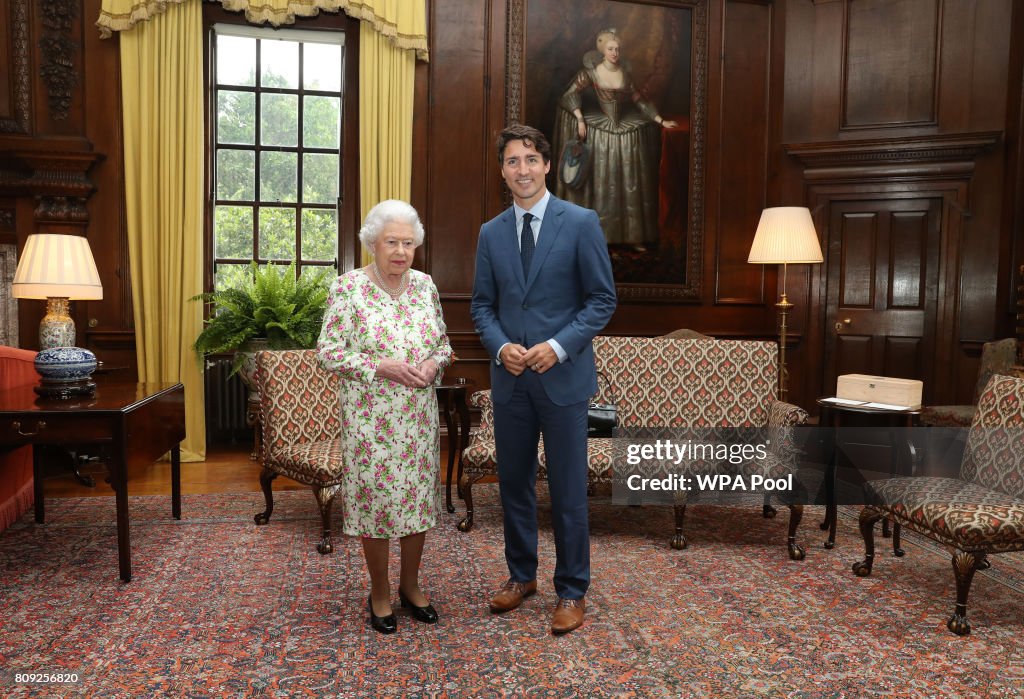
<point x="247" y="371"/>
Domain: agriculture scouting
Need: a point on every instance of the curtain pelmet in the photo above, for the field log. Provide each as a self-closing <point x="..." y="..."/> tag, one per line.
<point x="402" y="22"/>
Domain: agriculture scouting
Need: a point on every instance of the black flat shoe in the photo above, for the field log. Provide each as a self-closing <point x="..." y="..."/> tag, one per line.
<point x="382" y="624"/>
<point x="428" y="615"/>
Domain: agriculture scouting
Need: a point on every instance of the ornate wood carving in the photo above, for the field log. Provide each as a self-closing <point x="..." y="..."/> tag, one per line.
<point x="18" y="14"/>
<point x="58" y="181"/>
<point x="8" y="220"/>
<point x="58" y="53"/>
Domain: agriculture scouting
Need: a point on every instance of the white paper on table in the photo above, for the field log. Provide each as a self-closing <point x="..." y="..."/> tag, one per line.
<point x="843" y="401"/>
<point x="886" y="406"/>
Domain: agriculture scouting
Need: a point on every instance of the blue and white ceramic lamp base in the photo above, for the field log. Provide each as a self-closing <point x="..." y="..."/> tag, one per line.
<point x="66" y="372"/>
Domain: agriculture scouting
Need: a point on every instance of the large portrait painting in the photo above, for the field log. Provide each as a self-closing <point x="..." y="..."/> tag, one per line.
<point x="618" y="87"/>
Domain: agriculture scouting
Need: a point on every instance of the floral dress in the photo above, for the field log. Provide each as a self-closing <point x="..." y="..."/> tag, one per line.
<point x="390" y="432"/>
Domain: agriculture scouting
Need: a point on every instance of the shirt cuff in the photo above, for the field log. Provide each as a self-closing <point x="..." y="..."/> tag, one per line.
<point x="562" y="356"/>
<point x="497" y="360"/>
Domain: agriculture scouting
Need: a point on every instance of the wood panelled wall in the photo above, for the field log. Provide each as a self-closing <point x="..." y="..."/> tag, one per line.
<point x="898" y="122"/>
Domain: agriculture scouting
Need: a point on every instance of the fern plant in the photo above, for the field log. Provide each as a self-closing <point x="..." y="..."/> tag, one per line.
<point x="271" y="304"/>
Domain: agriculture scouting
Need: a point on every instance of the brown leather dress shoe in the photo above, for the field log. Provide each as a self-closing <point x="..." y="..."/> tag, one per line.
<point x="511" y="595"/>
<point x="568" y="615"/>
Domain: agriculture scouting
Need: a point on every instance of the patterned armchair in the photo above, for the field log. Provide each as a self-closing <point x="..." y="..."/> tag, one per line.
<point x="996" y="358"/>
<point x="979" y="513"/>
<point x="660" y="383"/>
<point x="301" y="425"/>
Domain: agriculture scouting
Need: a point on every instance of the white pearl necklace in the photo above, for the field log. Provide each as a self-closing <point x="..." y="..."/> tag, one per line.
<point x="395" y="292"/>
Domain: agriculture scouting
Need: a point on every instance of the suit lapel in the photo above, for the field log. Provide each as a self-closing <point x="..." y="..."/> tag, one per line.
<point x="510" y="245"/>
<point x="550" y="227"/>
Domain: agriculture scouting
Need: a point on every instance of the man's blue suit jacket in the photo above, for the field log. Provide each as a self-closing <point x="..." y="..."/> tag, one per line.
<point x="569" y="296"/>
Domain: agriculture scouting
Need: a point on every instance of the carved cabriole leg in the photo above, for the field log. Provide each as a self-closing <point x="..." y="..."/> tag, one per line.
<point x="767" y="510"/>
<point x="796" y="551"/>
<point x="325" y="498"/>
<point x="678" y="540"/>
<point x="266" y="478"/>
<point x="466" y="484"/>
<point x="868" y="516"/>
<point x="964" y="565"/>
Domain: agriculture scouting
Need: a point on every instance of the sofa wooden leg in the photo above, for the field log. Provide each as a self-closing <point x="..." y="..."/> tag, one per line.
<point x="964" y="565"/>
<point x="868" y="517"/>
<point x="796" y="551"/>
<point x="896" y="549"/>
<point x="467" y="495"/>
<point x="679" y="541"/>
<point x="266" y="478"/>
<point x="767" y="510"/>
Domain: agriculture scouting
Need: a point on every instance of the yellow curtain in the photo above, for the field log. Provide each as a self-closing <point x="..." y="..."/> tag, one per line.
<point x="386" y="81"/>
<point x="403" y="22"/>
<point x="162" y="95"/>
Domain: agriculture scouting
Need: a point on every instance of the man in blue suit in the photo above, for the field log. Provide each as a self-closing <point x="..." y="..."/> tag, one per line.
<point x="543" y="289"/>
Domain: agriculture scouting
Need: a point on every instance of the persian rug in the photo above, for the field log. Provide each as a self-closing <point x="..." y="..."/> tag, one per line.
<point x="219" y="607"/>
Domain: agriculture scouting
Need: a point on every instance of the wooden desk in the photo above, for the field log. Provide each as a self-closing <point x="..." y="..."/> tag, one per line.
<point x="837" y="415"/>
<point x="131" y="423"/>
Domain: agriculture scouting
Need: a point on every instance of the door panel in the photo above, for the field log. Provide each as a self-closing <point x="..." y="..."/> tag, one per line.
<point x="882" y="288"/>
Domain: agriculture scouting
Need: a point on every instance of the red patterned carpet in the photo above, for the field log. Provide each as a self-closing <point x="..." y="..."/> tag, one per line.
<point x="220" y="607"/>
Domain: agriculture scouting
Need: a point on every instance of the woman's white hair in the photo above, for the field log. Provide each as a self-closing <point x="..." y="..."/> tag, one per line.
<point x="390" y="211"/>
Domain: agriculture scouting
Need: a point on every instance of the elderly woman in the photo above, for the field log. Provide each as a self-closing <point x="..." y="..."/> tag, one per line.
<point x="384" y="335"/>
<point x="623" y="131"/>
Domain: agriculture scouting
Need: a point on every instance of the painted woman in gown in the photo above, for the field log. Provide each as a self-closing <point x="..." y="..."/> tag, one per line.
<point x="385" y="337"/>
<point x="622" y="131"/>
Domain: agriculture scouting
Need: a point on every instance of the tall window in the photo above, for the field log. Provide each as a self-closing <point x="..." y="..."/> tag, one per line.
<point x="277" y="148"/>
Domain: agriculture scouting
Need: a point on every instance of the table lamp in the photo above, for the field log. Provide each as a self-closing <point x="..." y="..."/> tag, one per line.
<point x="785" y="235"/>
<point x="59" y="268"/>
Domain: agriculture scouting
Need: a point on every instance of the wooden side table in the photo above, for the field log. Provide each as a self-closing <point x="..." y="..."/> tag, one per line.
<point x="838" y="415"/>
<point x="452" y="399"/>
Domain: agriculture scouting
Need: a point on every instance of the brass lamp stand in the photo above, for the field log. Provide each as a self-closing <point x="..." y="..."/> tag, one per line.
<point x="785" y="235"/>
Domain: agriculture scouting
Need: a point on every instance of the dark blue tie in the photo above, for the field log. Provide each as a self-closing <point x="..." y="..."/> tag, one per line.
<point x="526" y="244"/>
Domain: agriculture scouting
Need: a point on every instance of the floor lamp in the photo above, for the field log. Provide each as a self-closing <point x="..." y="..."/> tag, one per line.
<point x="785" y="235"/>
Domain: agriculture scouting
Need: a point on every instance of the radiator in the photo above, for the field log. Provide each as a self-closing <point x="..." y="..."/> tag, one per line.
<point x="225" y="404"/>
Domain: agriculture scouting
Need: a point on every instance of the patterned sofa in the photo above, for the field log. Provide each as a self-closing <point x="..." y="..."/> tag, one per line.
<point x="662" y="383"/>
<point x="979" y="513"/>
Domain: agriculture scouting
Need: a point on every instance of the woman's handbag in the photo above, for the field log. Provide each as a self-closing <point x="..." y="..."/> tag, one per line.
<point x="602" y="418"/>
<point x="574" y="164"/>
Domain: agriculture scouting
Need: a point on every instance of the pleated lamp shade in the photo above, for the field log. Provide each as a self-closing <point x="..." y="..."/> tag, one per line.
<point x="785" y="234"/>
<point x="56" y="265"/>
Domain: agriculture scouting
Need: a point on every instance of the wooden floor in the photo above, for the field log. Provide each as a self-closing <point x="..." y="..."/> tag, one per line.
<point x="227" y="469"/>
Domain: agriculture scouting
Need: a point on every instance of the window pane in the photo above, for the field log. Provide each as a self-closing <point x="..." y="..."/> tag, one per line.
<point x="230" y="276"/>
<point x="235" y="174"/>
<point x="319" y="178"/>
<point x="232" y="232"/>
<point x="280" y="63"/>
<point x="319" y="235"/>
<point x="278" y="177"/>
<point x="236" y="60"/>
<point x="311" y="271"/>
<point x="279" y="120"/>
<point x="277" y="233"/>
<point x="322" y="67"/>
<point x="236" y="117"/>
<point x="321" y="122"/>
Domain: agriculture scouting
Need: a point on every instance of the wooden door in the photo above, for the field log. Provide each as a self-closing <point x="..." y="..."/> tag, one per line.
<point x="881" y="298"/>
